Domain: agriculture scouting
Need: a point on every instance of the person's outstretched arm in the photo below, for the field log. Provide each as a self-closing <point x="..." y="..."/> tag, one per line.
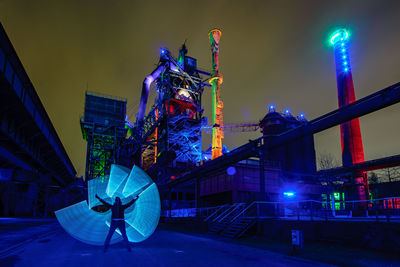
<point x="130" y="202"/>
<point x="102" y="201"/>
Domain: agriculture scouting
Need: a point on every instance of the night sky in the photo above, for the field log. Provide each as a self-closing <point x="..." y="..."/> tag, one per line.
<point x="271" y="52"/>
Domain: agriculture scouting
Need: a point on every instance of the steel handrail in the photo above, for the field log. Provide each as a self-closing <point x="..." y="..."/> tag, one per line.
<point x="244" y="210"/>
<point x="225" y="211"/>
<point x="238" y="205"/>
<point x="231" y="208"/>
<point x="212" y="214"/>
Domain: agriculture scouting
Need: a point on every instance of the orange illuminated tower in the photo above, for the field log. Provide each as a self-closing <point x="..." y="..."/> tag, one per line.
<point x="216" y="81"/>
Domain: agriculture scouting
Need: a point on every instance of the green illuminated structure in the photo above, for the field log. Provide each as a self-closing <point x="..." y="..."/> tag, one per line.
<point x="338" y="200"/>
<point x="103" y="127"/>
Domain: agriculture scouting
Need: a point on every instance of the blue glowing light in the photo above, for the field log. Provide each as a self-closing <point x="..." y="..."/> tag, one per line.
<point x="271" y="108"/>
<point x="118" y="175"/>
<point x="163" y="51"/>
<point x="98" y="186"/>
<point x="342" y="33"/>
<point x="289" y="194"/>
<point x="339" y="39"/>
<point x="231" y="170"/>
<point x="287" y="111"/>
<point x="301" y="115"/>
<point x="91" y="227"/>
<point x="136" y="180"/>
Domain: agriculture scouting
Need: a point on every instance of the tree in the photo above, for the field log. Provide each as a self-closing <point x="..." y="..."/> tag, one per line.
<point x="390" y="174"/>
<point x="327" y="161"/>
<point x="373" y="178"/>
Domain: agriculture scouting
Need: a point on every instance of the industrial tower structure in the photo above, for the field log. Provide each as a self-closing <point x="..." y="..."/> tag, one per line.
<point x="172" y="129"/>
<point x="351" y="140"/>
<point x="216" y="81"/>
<point x="103" y="127"/>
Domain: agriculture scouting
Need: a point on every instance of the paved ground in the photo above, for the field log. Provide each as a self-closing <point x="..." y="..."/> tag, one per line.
<point x="324" y="251"/>
<point x="393" y="219"/>
<point x="47" y="244"/>
<point x="15" y="232"/>
<point x="30" y="242"/>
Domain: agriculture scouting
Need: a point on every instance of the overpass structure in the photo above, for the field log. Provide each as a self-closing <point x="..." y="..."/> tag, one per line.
<point x="30" y="149"/>
<point x="370" y="165"/>
<point x="259" y="146"/>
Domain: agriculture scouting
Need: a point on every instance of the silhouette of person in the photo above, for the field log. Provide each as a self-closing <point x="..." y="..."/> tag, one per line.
<point x="117" y="219"/>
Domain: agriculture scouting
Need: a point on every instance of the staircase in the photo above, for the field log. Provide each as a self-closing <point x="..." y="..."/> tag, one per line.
<point x="216" y="228"/>
<point x="218" y="211"/>
<point x="234" y="221"/>
<point x="220" y="222"/>
<point x="238" y="227"/>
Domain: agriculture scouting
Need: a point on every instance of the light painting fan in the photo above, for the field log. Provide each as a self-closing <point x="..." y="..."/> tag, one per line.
<point x="91" y="227"/>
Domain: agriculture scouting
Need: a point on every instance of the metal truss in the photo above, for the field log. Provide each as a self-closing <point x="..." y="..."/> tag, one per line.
<point x="235" y="128"/>
<point x="185" y="139"/>
<point x="103" y="146"/>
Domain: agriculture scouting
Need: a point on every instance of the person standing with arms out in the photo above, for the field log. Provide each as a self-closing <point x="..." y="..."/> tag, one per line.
<point x="117" y="219"/>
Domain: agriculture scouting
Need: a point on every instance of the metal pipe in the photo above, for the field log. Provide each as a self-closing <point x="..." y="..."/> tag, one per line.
<point x="145" y="91"/>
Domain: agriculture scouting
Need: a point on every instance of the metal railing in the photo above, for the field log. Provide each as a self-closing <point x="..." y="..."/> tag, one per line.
<point x="219" y="210"/>
<point x="384" y="209"/>
<point x="232" y="210"/>
<point x="192" y="212"/>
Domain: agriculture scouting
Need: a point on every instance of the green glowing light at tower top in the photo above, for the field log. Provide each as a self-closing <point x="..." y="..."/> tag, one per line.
<point x="339" y="35"/>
